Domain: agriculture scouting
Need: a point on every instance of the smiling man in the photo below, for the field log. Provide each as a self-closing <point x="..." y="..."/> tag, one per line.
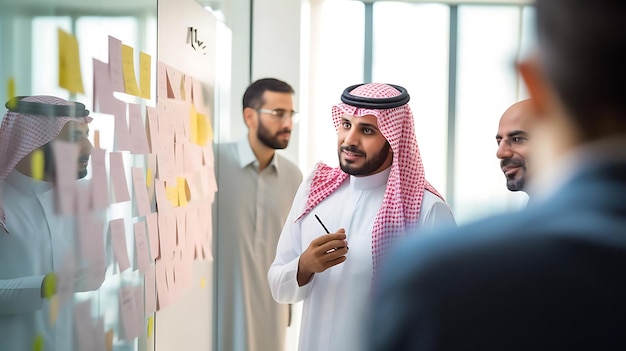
<point x="512" y="141"/>
<point x="367" y="204"/>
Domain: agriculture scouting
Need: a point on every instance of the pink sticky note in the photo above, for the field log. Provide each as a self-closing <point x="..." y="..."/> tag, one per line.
<point x="118" y="177"/>
<point x="128" y="312"/>
<point x="180" y="157"/>
<point x="99" y="185"/>
<point x="139" y="139"/>
<point x="161" y="199"/>
<point x="188" y="84"/>
<point x="123" y="140"/>
<point x="181" y="226"/>
<point x="174" y="77"/>
<point x="149" y="282"/>
<point x="66" y="171"/>
<point x="153" y="234"/>
<point x="118" y="239"/>
<point x="141" y="193"/>
<point x="65" y="277"/>
<point x="153" y="127"/>
<point x="139" y="308"/>
<point x="103" y="90"/>
<point x="172" y="285"/>
<point x="208" y="154"/>
<point x="191" y="217"/>
<point x="163" y="295"/>
<point x="116" y="72"/>
<point x="141" y="246"/>
<point x="83" y="325"/>
<point x="151" y="167"/>
<point x="161" y="81"/>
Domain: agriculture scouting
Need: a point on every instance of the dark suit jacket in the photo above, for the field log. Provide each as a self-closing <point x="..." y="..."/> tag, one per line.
<point x="551" y="277"/>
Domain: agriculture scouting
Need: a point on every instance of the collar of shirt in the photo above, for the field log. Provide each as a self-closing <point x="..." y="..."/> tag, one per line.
<point x="550" y="181"/>
<point x="28" y="184"/>
<point x="371" y="181"/>
<point x="246" y="155"/>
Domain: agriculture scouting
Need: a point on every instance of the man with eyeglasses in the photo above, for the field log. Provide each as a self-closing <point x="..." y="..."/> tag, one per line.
<point x="256" y="188"/>
<point x="512" y="141"/>
<point x="344" y="219"/>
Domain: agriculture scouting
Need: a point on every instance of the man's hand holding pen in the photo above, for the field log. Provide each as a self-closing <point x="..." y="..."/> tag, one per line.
<point x="323" y="252"/>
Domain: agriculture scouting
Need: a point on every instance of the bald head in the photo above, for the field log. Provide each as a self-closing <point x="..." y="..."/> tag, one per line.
<point x="512" y="140"/>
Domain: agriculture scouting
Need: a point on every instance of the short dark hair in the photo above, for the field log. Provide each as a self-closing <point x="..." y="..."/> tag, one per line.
<point x="253" y="97"/>
<point x="583" y="45"/>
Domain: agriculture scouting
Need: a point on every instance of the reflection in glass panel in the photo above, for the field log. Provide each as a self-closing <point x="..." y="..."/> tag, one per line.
<point x="421" y="66"/>
<point x="487" y="85"/>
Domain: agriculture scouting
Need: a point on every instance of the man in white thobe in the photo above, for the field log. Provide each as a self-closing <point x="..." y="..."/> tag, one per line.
<point x="343" y="220"/>
<point x="34" y="239"/>
<point x="256" y="188"/>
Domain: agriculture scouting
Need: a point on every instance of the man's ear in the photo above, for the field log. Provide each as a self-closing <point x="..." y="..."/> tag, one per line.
<point x="249" y="117"/>
<point x="536" y="84"/>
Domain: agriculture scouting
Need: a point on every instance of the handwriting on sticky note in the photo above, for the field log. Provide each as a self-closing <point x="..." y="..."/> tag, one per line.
<point x="139" y="138"/>
<point x="141" y="245"/>
<point x="69" y="63"/>
<point x="141" y="193"/>
<point x="115" y="64"/>
<point x="118" y="239"/>
<point x="128" y="68"/>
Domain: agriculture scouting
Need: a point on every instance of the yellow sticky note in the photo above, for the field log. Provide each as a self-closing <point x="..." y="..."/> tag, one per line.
<point x="149" y="177"/>
<point x="38" y="343"/>
<point x="171" y="194"/>
<point x="182" y="191"/>
<point x="128" y="68"/>
<point x="150" y="326"/>
<point x="144" y="74"/>
<point x="37" y="164"/>
<point x="10" y="90"/>
<point x="202" y="282"/>
<point x="205" y="132"/>
<point x="69" y="63"/>
<point x="193" y="125"/>
<point x="49" y="285"/>
<point x="54" y="310"/>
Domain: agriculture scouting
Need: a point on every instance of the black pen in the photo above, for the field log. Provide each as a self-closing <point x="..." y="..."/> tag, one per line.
<point x="323" y="226"/>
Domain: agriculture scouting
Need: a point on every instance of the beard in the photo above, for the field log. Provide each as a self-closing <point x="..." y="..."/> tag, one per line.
<point x="48" y="164"/>
<point x="371" y="164"/>
<point x="516" y="181"/>
<point x="265" y="136"/>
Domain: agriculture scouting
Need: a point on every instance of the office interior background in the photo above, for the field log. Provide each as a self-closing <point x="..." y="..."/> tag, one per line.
<point x="456" y="58"/>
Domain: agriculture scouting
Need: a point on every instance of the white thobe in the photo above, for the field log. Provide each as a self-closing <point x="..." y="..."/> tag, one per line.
<point x="251" y="210"/>
<point x="334" y="300"/>
<point x="36" y="244"/>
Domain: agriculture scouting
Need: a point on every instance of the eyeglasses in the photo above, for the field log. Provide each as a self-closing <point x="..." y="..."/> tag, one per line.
<point x="281" y="115"/>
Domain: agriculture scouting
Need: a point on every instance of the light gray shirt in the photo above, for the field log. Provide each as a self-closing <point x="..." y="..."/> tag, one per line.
<point x="252" y="207"/>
